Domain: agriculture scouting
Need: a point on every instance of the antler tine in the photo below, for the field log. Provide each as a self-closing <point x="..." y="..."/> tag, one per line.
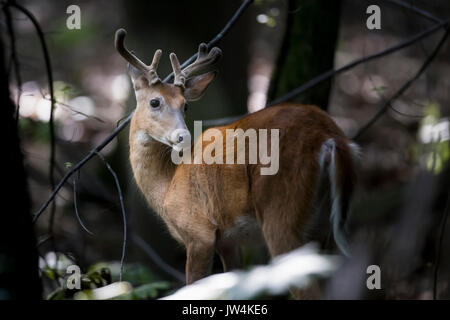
<point x="156" y="58"/>
<point x="203" y="60"/>
<point x="179" y="78"/>
<point x="149" y="71"/>
<point x="124" y="52"/>
<point x="154" y="66"/>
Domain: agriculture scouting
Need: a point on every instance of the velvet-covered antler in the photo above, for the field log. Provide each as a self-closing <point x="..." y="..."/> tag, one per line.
<point x="204" y="59"/>
<point x="149" y="71"/>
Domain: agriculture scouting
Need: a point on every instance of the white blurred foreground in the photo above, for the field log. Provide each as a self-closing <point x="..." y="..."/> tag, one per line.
<point x="296" y="268"/>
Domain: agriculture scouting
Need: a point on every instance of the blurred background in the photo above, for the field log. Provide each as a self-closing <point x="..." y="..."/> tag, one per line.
<point x="276" y="46"/>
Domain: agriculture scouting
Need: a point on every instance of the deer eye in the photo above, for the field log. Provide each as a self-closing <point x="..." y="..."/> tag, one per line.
<point x="186" y="106"/>
<point x="155" y="103"/>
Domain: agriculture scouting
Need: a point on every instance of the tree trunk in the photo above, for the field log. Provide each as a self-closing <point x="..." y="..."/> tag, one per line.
<point x="307" y="49"/>
<point x="19" y="276"/>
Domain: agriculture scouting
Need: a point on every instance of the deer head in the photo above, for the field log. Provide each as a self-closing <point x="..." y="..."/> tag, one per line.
<point x="161" y="106"/>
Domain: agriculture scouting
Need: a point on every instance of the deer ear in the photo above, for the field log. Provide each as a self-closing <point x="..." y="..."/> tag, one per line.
<point x="196" y="86"/>
<point x="138" y="77"/>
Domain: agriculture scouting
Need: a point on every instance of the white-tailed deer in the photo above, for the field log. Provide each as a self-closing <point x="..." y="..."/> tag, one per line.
<point x="208" y="206"/>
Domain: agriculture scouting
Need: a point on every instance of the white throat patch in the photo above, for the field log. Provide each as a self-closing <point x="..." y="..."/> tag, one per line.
<point x="142" y="137"/>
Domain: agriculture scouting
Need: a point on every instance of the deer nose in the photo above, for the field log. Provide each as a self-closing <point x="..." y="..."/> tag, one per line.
<point x="180" y="136"/>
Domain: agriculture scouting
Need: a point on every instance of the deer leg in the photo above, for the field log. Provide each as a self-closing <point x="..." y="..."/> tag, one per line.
<point x="199" y="260"/>
<point x="230" y="255"/>
<point x="282" y="236"/>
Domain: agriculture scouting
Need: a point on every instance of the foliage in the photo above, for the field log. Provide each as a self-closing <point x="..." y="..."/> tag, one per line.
<point x="139" y="282"/>
<point x="434" y="150"/>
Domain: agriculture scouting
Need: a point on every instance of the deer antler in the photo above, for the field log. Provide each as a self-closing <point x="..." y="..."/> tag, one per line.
<point x="149" y="71"/>
<point x="203" y="60"/>
<point x="179" y="78"/>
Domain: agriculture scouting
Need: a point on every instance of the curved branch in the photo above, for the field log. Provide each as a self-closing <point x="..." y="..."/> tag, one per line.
<point x="218" y="37"/>
<point x="75" y="205"/>
<point x="404" y="87"/>
<point x="122" y="206"/>
<point x="324" y="76"/>
<point x="331" y="73"/>
<point x="49" y="72"/>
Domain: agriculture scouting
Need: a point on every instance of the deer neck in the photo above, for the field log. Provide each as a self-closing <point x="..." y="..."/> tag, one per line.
<point x="152" y="167"/>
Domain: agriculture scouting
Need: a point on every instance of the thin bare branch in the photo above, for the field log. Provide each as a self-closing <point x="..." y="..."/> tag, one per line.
<point x="384" y="99"/>
<point x="218" y="37"/>
<point x="404" y="87"/>
<point x="122" y="206"/>
<point x="72" y="109"/>
<point x="330" y="73"/>
<point x="49" y="72"/>
<point x="75" y="205"/>
<point x="156" y="258"/>
<point x="412" y="7"/>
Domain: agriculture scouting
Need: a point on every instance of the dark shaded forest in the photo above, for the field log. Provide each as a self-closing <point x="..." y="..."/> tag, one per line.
<point x="72" y="198"/>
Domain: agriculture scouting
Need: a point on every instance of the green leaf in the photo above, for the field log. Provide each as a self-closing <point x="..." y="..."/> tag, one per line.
<point x="50" y="273"/>
<point x="58" y="294"/>
<point x="134" y="273"/>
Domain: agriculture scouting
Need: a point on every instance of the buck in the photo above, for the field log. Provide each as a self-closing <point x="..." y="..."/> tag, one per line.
<point x="211" y="208"/>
